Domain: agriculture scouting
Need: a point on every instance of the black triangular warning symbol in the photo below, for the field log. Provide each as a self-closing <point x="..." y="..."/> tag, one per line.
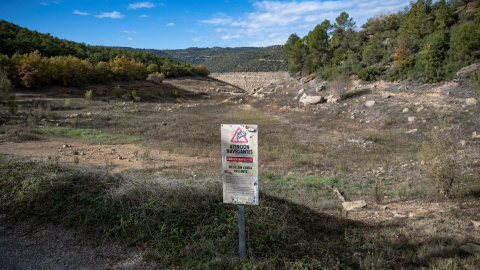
<point x="240" y="136"/>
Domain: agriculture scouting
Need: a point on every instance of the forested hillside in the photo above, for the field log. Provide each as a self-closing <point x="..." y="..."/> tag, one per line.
<point x="33" y="60"/>
<point x="425" y="42"/>
<point x="242" y="59"/>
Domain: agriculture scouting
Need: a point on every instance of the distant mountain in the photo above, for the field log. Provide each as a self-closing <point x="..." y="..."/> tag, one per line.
<point x="242" y="59"/>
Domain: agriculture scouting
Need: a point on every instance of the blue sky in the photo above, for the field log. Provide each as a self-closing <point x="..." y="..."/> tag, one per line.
<point x="182" y="24"/>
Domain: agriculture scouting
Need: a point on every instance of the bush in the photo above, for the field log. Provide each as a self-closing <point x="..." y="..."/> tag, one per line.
<point x="202" y="70"/>
<point x="89" y="94"/>
<point x="156" y="77"/>
<point x="6" y="92"/>
<point x="439" y="159"/>
<point x="371" y="73"/>
<point x="341" y="84"/>
<point x="117" y="91"/>
<point x="68" y="103"/>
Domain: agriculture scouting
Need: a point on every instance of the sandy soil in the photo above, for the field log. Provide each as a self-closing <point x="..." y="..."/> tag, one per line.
<point x="117" y="158"/>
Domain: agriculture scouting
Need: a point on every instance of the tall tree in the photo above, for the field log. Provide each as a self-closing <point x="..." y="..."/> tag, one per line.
<point x="317" y="42"/>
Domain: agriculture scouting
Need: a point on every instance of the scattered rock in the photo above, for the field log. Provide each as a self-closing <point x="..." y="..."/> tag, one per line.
<point x="386" y="95"/>
<point x="476" y="224"/>
<point x="411" y="131"/>
<point x="406" y="110"/>
<point x="370" y="103"/>
<point x="350" y="206"/>
<point x="412" y="119"/>
<point x="332" y="99"/>
<point x="386" y="41"/>
<point x="475" y="135"/>
<point x="321" y="87"/>
<point x="463" y="143"/>
<point x="301" y="91"/>
<point x="471" y="101"/>
<point x="399" y="215"/>
<point x="308" y="78"/>
<point x="473" y="249"/>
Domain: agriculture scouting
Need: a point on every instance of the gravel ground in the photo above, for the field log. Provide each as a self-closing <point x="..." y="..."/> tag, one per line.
<point x="26" y="246"/>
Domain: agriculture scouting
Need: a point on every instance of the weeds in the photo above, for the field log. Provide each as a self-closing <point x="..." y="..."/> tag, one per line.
<point x="68" y="103"/>
<point x="439" y="159"/>
<point x="89" y="94"/>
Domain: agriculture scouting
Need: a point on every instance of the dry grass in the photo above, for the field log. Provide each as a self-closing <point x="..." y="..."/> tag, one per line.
<point x="303" y="155"/>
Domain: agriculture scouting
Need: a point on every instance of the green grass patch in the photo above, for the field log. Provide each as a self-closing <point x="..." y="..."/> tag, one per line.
<point x="89" y="135"/>
<point x="309" y="180"/>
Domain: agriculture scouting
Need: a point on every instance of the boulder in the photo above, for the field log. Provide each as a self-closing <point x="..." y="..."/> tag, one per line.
<point x="370" y="103"/>
<point x="307" y="79"/>
<point x="471" y="101"/>
<point x="311" y="100"/>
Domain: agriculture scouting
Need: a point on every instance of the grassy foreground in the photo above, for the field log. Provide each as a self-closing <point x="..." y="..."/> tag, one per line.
<point x="186" y="225"/>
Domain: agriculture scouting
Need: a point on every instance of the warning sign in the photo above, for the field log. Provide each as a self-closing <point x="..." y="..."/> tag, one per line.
<point x="240" y="164"/>
<point x="240" y="136"/>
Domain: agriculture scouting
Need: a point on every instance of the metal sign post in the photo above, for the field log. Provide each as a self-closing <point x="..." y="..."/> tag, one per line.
<point x="241" y="230"/>
<point x="240" y="171"/>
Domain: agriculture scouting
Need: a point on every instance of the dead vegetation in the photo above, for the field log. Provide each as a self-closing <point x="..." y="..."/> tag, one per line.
<point x="375" y="144"/>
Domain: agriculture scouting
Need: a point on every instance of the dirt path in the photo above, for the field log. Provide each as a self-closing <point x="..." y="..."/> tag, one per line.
<point x="26" y="246"/>
<point x="118" y="158"/>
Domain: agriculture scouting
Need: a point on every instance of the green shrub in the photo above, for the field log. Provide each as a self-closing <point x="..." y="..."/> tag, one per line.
<point x="370" y="73"/>
<point x="89" y="94"/>
<point x="68" y="103"/>
<point x="117" y="91"/>
<point x="6" y="92"/>
<point x="156" y="77"/>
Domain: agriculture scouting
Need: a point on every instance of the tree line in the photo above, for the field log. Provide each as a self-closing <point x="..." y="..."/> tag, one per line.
<point x="32" y="59"/>
<point x="426" y="42"/>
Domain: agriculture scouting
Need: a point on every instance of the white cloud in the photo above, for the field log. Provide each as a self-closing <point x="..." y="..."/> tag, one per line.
<point x="272" y="22"/>
<point x="80" y="13"/>
<point x="230" y="37"/>
<point x="198" y="39"/>
<point x="219" y="19"/>
<point x="50" y="2"/>
<point x="170" y="24"/>
<point x="143" y="16"/>
<point x="111" y="15"/>
<point x="130" y="39"/>
<point x="141" y="5"/>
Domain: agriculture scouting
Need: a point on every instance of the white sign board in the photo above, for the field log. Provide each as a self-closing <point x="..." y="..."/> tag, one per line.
<point x="240" y="164"/>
